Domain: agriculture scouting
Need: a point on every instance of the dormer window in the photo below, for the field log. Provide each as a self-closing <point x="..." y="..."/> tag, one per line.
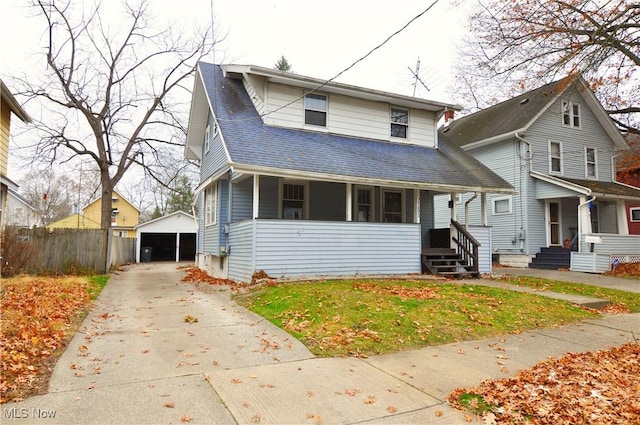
<point x="570" y="114"/>
<point x="399" y="122"/>
<point x="315" y="109"/>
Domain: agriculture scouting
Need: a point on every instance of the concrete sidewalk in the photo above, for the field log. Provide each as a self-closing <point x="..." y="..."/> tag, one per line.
<point x="136" y="360"/>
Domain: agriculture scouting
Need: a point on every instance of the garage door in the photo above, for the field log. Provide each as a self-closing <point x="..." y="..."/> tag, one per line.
<point x="162" y="247"/>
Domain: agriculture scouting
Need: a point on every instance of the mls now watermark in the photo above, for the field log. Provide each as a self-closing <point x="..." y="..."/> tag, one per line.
<point x="24" y="413"/>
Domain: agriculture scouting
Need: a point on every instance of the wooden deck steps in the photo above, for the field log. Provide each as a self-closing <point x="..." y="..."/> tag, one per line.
<point x="445" y="262"/>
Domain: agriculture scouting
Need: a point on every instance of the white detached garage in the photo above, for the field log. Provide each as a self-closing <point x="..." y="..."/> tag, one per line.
<point x="168" y="238"/>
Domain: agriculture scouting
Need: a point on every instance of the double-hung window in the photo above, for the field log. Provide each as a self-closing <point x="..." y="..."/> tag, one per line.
<point x="555" y="157"/>
<point x="293" y="201"/>
<point x="315" y="109"/>
<point x="590" y="161"/>
<point x="392" y="206"/>
<point x="570" y="114"/>
<point x="210" y="203"/>
<point x="399" y="122"/>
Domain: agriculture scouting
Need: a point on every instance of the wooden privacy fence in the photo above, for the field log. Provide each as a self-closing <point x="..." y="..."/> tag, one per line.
<point x="78" y="250"/>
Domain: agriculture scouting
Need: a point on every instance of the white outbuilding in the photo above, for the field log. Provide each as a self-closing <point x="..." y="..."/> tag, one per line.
<point x="168" y="238"/>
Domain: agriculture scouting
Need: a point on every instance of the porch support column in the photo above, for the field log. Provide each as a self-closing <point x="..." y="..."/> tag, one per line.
<point x="621" y="213"/>
<point x="454" y="216"/>
<point x="349" y="206"/>
<point x="416" y="203"/>
<point x="483" y="208"/>
<point x="256" y="195"/>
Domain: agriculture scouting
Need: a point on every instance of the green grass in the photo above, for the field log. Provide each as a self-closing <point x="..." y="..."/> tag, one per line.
<point x="628" y="299"/>
<point x="366" y="317"/>
<point x="96" y="285"/>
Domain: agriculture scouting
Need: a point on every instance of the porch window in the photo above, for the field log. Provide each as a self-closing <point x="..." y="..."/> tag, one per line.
<point x="207" y="136"/>
<point x="315" y="109"/>
<point x="634" y="214"/>
<point x="555" y="157"/>
<point x="591" y="170"/>
<point x="364" y="204"/>
<point x="392" y="206"/>
<point x="570" y="114"/>
<point x="399" y="122"/>
<point x="293" y="201"/>
<point x="501" y="205"/>
<point x="210" y="203"/>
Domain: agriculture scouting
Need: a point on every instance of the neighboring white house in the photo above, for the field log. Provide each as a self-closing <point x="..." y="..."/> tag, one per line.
<point x="20" y="213"/>
<point x="168" y="238"/>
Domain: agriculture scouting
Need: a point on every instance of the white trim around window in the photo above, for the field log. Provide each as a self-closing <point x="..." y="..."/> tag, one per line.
<point x="555" y="157"/>
<point x="364" y="203"/>
<point x="571" y="114"/>
<point x="293" y="200"/>
<point x="391" y="211"/>
<point x="210" y="204"/>
<point x="590" y="163"/>
<point x="634" y="214"/>
<point x="399" y="118"/>
<point x="207" y="138"/>
<point x="316" y="107"/>
<point x="502" y="205"/>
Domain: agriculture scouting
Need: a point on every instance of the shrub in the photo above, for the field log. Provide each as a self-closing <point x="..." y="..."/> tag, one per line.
<point x="17" y="252"/>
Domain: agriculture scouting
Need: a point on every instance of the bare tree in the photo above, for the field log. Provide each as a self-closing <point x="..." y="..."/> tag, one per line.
<point x="112" y="93"/>
<point x="525" y="43"/>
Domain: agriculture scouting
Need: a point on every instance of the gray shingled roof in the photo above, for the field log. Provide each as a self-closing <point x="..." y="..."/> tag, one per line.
<point x="503" y="118"/>
<point x="251" y="143"/>
<point x="608" y="188"/>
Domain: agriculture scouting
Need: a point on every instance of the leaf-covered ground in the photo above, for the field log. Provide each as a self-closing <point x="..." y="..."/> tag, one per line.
<point x="39" y="315"/>
<point x="600" y="387"/>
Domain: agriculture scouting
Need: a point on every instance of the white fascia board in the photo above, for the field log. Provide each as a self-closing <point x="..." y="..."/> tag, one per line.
<point x="561" y="183"/>
<point x="215" y="176"/>
<point x="336" y="178"/>
<point x="494" y="139"/>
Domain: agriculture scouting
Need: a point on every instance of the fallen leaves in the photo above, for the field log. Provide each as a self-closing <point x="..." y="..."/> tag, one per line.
<point x="592" y="387"/>
<point x="37" y="317"/>
<point x="399" y="290"/>
<point x="196" y="275"/>
<point x="190" y="319"/>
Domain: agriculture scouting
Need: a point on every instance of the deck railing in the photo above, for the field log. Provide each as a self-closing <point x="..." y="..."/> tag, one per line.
<point x="467" y="246"/>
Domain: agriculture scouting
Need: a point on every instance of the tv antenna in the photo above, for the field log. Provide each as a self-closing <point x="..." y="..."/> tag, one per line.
<point x="417" y="78"/>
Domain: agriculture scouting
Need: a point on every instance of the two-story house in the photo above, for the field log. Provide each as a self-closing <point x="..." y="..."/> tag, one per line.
<point x="20" y="213"/>
<point x="304" y="177"/>
<point x="555" y="145"/>
<point x="124" y="215"/>
<point x="8" y="105"/>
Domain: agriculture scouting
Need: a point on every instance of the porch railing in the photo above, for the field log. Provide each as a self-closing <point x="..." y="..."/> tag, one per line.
<point x="467" y="246"/>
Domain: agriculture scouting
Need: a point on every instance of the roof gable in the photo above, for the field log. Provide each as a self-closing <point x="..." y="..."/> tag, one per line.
<point x="516" y="115"/>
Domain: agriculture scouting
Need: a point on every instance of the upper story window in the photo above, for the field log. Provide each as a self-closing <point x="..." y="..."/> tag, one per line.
<point x="555" y="157"/>
<point x="207" y="136"/>
<point x="210" y="203"/>
<point x="590" y="161"/>
<point x="293" y="201"/>
<point x="570" y="114"/>
<point x="315" y="109"/>
<point x="399" y="122"/>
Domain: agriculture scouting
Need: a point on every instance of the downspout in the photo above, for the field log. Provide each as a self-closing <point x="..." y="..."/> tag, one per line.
<point x="466" y="210"/>
<point x="524" y="224"/>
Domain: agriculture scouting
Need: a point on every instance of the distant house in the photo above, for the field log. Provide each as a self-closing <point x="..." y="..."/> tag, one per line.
<point x="301" y="177"/>
<point x="74" y="221"/>
<point x="555" y="145"/>
<point x="124" y="216"/>
<point x="20" y="213"/>
<point x="8" y="106"/>
<point x="628" y="169"/>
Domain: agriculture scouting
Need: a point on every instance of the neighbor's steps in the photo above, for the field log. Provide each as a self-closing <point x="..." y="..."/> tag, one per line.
<point x="551" y="259"/>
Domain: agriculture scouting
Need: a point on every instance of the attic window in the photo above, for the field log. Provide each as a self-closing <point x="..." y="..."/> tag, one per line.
<point x="570" y="114"/>
<point x="315" y="109"/>
<point x="399" y="122"/>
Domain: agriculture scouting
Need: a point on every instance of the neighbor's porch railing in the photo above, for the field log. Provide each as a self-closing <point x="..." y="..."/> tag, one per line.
<point x="467" y="246"/>
<point x="610" y="244"/>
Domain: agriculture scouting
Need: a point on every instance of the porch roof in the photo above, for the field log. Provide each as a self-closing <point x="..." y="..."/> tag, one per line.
<point x="592" y="187"/>
<point x="254" y="147"/>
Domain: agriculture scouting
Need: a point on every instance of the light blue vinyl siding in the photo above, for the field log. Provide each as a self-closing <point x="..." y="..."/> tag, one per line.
<point x="573" y="140"/>
<point x="223" y="212"/>
<point x="216" y="158"/>
<point x="242" y="199"/>
<point x="426" y="216"/>
<point x="200" y="238"/>
<point x="303" y="248"/>
<point x="483" y="235"/>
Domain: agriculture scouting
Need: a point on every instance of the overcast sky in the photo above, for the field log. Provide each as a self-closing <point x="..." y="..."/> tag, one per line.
<point x="318" y="39"/>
